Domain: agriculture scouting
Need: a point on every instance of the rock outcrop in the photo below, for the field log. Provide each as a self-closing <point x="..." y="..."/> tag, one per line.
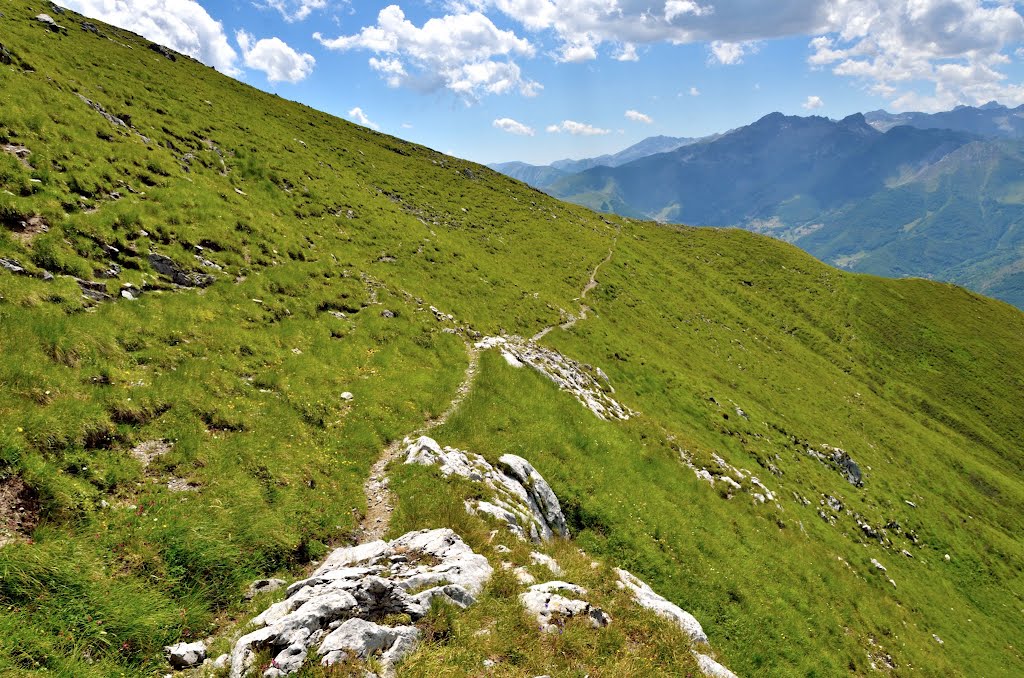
<point x="337" y="612"/>
<point x="520" y="496"/>
<point x="840" y="460"/>
<point x="588" y="384"/>
<point x="644" y="596"/>
<point x="166" y="266"/>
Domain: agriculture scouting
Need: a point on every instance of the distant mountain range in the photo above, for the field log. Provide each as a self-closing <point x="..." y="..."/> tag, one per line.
<point x="912" y="194"/>
<point x="541" y="176"/>
<point x="991" y="120"/>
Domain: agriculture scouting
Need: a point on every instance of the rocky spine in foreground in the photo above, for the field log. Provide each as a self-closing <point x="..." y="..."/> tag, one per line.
<point x="337" y="612"/>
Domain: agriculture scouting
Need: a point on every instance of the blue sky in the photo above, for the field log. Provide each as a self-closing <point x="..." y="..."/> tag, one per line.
<point x="539" y="80"/>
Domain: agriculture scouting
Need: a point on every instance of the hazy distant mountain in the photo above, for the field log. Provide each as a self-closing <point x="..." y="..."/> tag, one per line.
<point x="535" y="175"/>
<point x="542" y="176"/>
<point x="990" y="120"/>
<point x="929" y="202"/>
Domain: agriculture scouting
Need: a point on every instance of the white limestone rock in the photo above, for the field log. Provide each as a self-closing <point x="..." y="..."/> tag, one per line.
<point x="710" y="668"/>
<point x="547" y="561"/>
<point x="644" y="596"/>
<point x="588" y="384"/>
<point x="521" y="498"/>
<point x="186" y="655"/>
<point x="363" y="639"/>
<point x="552" y="609"/>
<point x="359" y="586"/>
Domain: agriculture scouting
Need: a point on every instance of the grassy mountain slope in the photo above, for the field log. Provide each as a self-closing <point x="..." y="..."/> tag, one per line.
<point x="319" y="227"/>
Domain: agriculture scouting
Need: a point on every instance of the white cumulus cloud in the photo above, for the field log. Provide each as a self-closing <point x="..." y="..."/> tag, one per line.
<point x="956" y="48"/>
<point x="360" y="117"/>
<point x="731" y="53"/>
<point x="813" y="102"/>
<point x="637" y="116"/>
<point x="182" y="25"/>
<point x="464" y="52"/>
<point x="677" y="8"/>
<point x="296" y="10"/>
<point x="513" y="127"/>
<point x="576" y="129"/>
<point x="694" y="92"/>
<point x="274" y="57"/>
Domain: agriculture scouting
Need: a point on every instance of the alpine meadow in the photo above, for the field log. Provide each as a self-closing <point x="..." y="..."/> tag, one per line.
<point x="240" y="335"/>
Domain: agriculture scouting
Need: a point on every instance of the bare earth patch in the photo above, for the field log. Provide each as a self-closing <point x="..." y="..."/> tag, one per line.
<point x="149" y="450"/>
<point x="19" y="510"/>
<point x="26" y="228"/>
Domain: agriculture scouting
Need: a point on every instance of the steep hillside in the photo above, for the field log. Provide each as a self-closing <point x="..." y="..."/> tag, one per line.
<point x="223" y="311"/>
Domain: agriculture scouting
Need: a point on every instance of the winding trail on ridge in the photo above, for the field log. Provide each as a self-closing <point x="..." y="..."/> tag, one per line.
<point x="380" y="503"/>
<point x="591" y="284"/>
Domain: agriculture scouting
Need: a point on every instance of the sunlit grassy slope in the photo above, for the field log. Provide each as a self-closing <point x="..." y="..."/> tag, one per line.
<point x="311" y="220"/>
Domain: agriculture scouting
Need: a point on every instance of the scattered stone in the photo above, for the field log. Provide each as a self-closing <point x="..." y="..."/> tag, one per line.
<point x="878" y="565"/>
<point x="93" y="289"/>
<point x="90" y="27"/>
<point x="46" y="19"/>
<point x="522" y="498"/>
<point x="547" y="561"/>
<point x="907" y="553"/>
<point x="937" y="639"/>
<point x="840" y="460"/>
<point x="182" y="485"/>
<point x="22" y="153"/>
<point x="262" y="586"/>
<point x="166" y="266"/>
<point x="946" y="557"/>
<point x="523" y="576"/>
<point x="347" y="396"/>
<point x="163" y="51"/>
<point x="186" y="655"/>
<point x="501" y="548"/>
<point x="644" y="596"/>
<point x="208" y="264"/>
<point x="12" y="265"/>
<point x="112" y="119"/>
<point x="338" y="609"/>
<point x="552" y="609"/>
<point x="388" y="314"/>
<point x="909" y="503"/>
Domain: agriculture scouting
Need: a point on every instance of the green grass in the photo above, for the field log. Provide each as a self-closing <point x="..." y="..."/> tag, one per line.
<point x="920" y="382"/>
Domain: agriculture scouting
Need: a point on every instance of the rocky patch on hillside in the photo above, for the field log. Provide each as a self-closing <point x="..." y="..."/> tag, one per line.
<point x="589" y="384"/>
<point x="521" y="498"/>
<point x="338" y="612"/>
